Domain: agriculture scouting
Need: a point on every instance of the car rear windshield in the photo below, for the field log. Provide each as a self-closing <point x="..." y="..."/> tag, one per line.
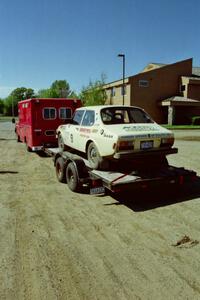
<point x="124" y="115"/>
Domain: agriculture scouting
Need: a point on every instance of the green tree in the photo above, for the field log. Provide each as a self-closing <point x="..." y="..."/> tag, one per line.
<point x="29" y="93"/>
<point x="58" y="89"/>
<point x="1" y="106"/>
<point x="10" y="106"/>
<point x="15" y="96"/>
<point x="94" y="94"/>
<point x="47" y="93"/>
<point x="62" y="88"/>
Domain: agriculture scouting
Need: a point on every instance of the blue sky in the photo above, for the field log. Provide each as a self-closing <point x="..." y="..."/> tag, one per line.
<point x="45" y="40"/>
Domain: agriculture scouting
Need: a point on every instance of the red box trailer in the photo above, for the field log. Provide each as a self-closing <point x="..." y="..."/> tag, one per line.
<point x="39" y="119"/>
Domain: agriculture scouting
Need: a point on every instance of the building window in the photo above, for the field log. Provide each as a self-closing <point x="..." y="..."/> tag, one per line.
<point x="49" y="113"/>
<point x="112" y="92"/>
<point x="143" y="83"/>
<point x="123" y="90"/>
<point x="65" y="113"/>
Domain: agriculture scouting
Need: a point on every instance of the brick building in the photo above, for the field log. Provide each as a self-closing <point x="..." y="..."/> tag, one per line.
<point x="169" y="93"/>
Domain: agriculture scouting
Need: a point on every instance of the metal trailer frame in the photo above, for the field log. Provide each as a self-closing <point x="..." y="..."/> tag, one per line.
<point x="77" y="173"/>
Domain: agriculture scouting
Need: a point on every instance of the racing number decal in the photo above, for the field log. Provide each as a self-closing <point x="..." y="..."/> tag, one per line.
<point x="71" y="138"/>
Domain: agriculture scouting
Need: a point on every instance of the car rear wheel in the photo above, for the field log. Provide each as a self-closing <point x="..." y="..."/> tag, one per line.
<point x="96" y="161"/>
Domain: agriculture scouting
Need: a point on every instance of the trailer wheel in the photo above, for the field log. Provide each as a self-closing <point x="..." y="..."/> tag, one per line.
<point x="94" y="158"/>
<point x="60" y="170"/>
<point x="61" y="144"/>
<point x="72" y="177"/>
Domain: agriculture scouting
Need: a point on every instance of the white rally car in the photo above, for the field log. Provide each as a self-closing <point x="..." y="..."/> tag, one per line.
<point x="114" y="132"/>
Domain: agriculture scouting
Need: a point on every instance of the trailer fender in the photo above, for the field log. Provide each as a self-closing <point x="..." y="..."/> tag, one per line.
<point x="55" y="158"/>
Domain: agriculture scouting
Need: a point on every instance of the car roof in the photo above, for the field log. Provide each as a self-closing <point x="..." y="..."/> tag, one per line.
<point x="99" y="107"/>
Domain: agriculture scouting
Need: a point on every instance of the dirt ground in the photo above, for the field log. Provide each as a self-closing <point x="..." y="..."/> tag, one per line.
<point x="56" y="244"/>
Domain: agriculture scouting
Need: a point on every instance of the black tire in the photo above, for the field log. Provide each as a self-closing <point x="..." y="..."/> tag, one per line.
<point x="28" y="148"/>
<point x="61" y="144"/>
<point x="94" y="158"/>
<point x="60" y="170"/>
<point x="72" y="178"/>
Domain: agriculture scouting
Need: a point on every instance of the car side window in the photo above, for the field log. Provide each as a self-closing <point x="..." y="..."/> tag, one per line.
<point x="78" y="117"/>
<point x="88" y="119"/>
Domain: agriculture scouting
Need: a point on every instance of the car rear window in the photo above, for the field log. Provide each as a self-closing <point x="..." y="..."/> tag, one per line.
<point x="124" y="115"/>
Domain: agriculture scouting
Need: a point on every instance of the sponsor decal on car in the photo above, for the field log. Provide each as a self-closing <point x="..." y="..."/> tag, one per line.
<point x="140" y="128"/>
<point x="147" y="136"/>
<point x="110" y="136"/>
<point x="94" y="130"/>
<point x="85" y="130"/>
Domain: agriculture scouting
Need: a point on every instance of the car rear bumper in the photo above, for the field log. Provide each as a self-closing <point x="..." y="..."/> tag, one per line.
<point x="150" y="152"/>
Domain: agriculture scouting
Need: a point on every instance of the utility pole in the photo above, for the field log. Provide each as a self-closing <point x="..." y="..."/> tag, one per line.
<point x="123" y="74"/>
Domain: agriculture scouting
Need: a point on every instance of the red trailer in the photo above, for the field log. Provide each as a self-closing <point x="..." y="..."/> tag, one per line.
<point x="39" y="118"/>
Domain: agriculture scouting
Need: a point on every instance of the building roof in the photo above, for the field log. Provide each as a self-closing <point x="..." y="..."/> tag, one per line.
<point x="196" y="71"/>
<point x="152" y="66"/>
<point x="116" y="82"/>
<point x="180" y="101"/>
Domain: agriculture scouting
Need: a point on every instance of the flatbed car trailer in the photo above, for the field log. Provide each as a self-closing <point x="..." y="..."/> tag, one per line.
<point x="152" y="172"/>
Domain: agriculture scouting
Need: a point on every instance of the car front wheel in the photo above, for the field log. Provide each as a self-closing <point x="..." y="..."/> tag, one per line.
<point x="94" y="158"/>
<point x="61" y="144"/>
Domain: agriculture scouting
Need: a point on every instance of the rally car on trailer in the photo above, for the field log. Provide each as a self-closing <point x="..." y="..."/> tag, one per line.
<point x="107" y="133"/>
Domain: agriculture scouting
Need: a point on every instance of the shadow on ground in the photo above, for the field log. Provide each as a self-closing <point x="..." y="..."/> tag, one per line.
<point x="8" y="172"/>
<point x="5" y="139"/>
<point x="149" y="199"/>
<point x="42" y="154"/>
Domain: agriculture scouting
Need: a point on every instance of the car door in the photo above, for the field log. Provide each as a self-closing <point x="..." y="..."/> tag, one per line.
<point x="74" y="130"/>
<point x="85" y="131"/>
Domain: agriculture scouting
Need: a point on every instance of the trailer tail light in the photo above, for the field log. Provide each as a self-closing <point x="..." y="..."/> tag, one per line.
<point x="181" y="180"/>
<point x="125" y="145"/>
<point x="167" y="141"/>
<point x="96" y="182"/>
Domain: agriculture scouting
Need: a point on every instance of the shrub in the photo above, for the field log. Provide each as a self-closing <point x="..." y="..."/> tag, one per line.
<point x="196" y="120"/>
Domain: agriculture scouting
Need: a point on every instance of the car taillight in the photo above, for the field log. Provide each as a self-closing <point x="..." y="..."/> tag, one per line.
<point x="167" y="141"/>
<point x="125" y="145"/>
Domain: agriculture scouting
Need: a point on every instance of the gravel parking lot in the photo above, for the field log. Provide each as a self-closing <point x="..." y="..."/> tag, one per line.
<point x="56" y="244"/>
